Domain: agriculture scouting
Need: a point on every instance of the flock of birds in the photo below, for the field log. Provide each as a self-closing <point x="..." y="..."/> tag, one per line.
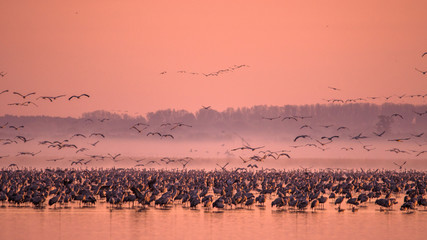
<point x="25" y="96"/>
<point x="293" y="191"/>
<point x="212" y="74"/>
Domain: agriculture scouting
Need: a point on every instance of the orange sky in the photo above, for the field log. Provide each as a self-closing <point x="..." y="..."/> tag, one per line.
<point x="115" y="51"/>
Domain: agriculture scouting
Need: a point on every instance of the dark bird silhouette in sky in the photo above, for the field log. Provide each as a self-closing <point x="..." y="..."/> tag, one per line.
<point x="301" y="136"/>
<point x="180" y="125"/>
<point x="134" y="127"/>
<point x="399" y="139"/>
<point x="418" y="135"/>
<point x="79" y="96"/>
<point x="400" y="165"/>
<point x="423" y="72"/>
<point x="115" y="156"/>
<point x="289" y="118"/>
<point x="397" y="115"/>
<point x="4" y="91"/>
<point x="97" y="134"/>
<point x="223" y="167"/>
<point x="335" y="89"/>
<point x="16" y="127"/>
<point x="206" y="108"/>
<point x="379" y="134"/>
<point x="167" y="135"/>
<point x="270" y="118"/>
<point x="24" y="139"/>
<point x="152" y="161"/>
<point x="51" y="99"/>
<point x="154" y="133"/>
<point x="94" y="144"/>
<point x="24" y="95"/>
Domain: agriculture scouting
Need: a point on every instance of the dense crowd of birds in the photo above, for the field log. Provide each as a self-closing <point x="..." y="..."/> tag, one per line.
<point x="296" y="190"/>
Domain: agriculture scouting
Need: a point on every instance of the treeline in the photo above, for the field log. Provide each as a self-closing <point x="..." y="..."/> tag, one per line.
<point x="209" y="123"/>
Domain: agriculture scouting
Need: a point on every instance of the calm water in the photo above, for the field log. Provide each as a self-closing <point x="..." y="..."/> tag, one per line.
<point x="184" y="223"/>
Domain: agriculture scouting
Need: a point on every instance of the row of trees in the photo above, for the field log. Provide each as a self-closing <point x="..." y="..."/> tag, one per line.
<point x="358" y="117"/>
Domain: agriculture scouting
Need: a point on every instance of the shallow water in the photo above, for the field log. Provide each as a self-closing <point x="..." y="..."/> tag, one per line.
<point x="184" y="223"/>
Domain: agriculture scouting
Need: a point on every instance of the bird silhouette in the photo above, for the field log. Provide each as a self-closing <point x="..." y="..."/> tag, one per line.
<point x="206" y="108"/>
<point x="94" y="144"/>
<point x="97" y="134"/>
<point x="78" y="135"/>
<point x="180" y="125"/>
<point x="379" y="134"/>
<point x="78" y="96"/>
<point x="4" y="91"/>
<point x="16" y="127"/>
<point x="333" y="88"/>
<point x="418" y="135"/>
<point x="399" y="139"/>
<point x="301" y="136"/>
<point x="24" y="95"/>
<point x="223" y="167"/>
<point x="167" y="135"/>
<point x="51" y="99"/>
<point x="400" y="165"/>
<point x="270" y="118"/>
<point x="397" y="115"/>
<point x="423" y="72"/>
<point x="115" y="156"/>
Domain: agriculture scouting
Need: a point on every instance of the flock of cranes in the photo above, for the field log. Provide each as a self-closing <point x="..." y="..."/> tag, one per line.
<point x="212" y="74"/>
<point x="286" y="191"/>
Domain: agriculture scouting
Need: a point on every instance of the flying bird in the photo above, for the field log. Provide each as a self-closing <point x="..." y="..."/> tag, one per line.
<point x="400" y="165"/>
<point x="270" y="118"/>
<point x="78" y="135"/>
<point x="223" y="167"/>
<point x="180" y="125"/>
<point x="16" y="128"/>
<point x="23" y="139"/>
<point x="94" y="144"/>
<point x="51" y="99"/>
<point x="423" y="72"/>
<point x="206" y="108"/>
<point x="399" y="139"/>
<point x="301" y="136"/>
<point x="167" y="135"/>
<point x="293" y="118"/>
<point x="333" y="88"/>
<point x="97" y="134"/>
<point x="397" y="115"/>
<point x="4" y="91"/>
<point x="24" y="95"/>
<point x="78" y="96"/>
<point x="2" y="74"/>
<point x="418" y="135"/>
<point x="115" y="156"/>
<point x="379" y="134"/>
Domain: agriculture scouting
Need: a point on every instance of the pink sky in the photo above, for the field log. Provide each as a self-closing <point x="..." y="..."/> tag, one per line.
<point x="115" y="51"/>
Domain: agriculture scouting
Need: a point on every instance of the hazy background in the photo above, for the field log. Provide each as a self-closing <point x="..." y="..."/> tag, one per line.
<point x="145" y="61"/>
